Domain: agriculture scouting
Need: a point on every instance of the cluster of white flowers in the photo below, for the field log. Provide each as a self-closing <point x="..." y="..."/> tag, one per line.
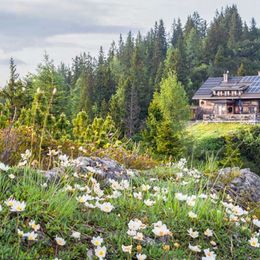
<point x="100" y="251"/>
<point x="181" y="164"/>
<point x="64" y="160"/>
<point x="133" y="227"/>
<point x="30" y="236"/>
<point x="161" y="229"/>
<point x="190" y="200"/>
<point x="93" y="196"/>
<point x="97" y="195"/>
<point x="25" y="158"/>
<point x="15" y="206"/>
<point x="123" y="185"/>
<point x="209" y="255"/>
<point x="149" y="202"/>
<point x="235" y="212"/>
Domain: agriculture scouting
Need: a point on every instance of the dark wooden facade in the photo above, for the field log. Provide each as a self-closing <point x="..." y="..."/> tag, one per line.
<point x="229" y="99"/>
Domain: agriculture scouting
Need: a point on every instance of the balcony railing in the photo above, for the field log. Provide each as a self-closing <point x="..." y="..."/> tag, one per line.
<point x="247" y="118"/>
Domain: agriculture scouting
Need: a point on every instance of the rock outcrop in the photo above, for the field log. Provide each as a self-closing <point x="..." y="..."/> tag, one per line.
<point x="102" y="169"/>
<point x="241" y="184"/>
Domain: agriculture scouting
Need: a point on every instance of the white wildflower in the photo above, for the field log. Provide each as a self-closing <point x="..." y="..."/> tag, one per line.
<point x="75" y="235"/>
<point x="97" y="241"/>
<point x="253" y="241"/>
<point x="139" y="236"/>
<point x="34" y="226"/>
<point x="106" y="207"/>
<point x="100" y="252"/>
<point x="18" y="206"/>
<point x="161" y="230"/>
<point x="31" y="236"/>
<point x="141" y="256"/>
<point x="127" y="249"/>
<point x="181" y="197"/>
<point x="60" y="241"/>
<point x="209" y="255"/>
<point x="192" y="215"/>
<point x="208" y="232"/>
<point x="193" y="234"/>
<point x="149" y="202"/>
<point x="4" y="167"/>
<point x="138" y="195"/>
<point x="256" y="222"/>
<point x="196" y="249"/>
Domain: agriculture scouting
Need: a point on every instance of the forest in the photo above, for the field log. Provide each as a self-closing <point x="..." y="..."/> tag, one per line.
<point x="141" y="89"/>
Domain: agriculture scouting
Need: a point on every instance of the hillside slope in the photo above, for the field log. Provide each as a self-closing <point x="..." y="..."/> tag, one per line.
<point x="166" y="212"/>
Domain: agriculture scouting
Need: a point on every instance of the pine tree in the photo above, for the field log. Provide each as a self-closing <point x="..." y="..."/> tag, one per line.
<point x="253" y="30"/>
<point x="235" y="29"/>
<point x="168" y="112"/>
<point x="241" y="70"/>
<point x="15" y="92"/>
<point x="177" y="32"/>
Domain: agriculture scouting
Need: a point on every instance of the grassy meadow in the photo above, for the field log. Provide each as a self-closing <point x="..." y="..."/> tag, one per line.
<point x="165" y="213"/>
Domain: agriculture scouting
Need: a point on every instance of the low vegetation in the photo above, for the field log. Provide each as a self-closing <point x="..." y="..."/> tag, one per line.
<point x="227" y="144"/>
<point x="168" y="212"/>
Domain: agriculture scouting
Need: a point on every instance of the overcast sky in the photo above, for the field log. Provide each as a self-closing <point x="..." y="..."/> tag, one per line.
<point x="65" y="28"/>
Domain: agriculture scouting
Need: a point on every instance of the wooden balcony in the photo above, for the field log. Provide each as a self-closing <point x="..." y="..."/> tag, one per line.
<point x="239" y="118"/>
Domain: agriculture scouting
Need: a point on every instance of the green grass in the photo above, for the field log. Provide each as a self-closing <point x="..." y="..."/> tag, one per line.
<point x="59" y="213"/>
<point x="200" y="131"/>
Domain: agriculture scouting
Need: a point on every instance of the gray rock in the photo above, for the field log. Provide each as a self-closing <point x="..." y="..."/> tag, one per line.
<point x="242" y="184"/>
<point x="102" y="169"/>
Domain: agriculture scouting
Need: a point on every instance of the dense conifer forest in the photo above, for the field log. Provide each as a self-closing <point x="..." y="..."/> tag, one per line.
<point x="143" y="86"/>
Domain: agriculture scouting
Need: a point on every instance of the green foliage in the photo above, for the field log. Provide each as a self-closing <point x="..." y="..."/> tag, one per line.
<point x="249" y="140"/>
<point x="125" y="83"/>
<point x="53" y="204"/>
<point x="232" y="156"/>
<point x="232" y="144"/>
<point x="168" y="113"/>
<point x="241" y="70"/>
<point x="101" y="133"/>
<point x="62" y="128"/>
<point x="45" y="82"/>
<point x="4" y="114"/>
<point x="80" y="124"/>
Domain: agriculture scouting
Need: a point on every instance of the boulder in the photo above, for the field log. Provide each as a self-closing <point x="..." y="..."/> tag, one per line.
<point x="241" y="184"/>
<point x="101" y="168"/>
<point x="104" y="168"/>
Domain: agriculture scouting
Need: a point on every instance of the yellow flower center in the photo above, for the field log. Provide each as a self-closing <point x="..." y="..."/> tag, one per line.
<point x="101" y="253"/>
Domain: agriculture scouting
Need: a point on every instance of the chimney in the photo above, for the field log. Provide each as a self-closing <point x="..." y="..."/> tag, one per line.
<point x="225" y="77"/>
